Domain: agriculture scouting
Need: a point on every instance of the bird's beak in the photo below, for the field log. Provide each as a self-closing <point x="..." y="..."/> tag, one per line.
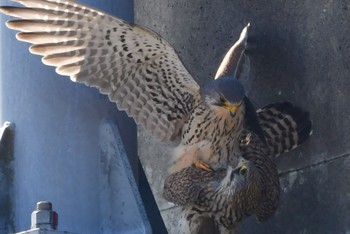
<point x="241" y="163"/>
<point x="232" y="108"/>
<point x="239" y="166"/>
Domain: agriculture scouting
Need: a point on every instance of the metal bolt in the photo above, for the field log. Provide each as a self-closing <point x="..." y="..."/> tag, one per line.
<point x="43" y="205"/>
<point x="44" y="217"/>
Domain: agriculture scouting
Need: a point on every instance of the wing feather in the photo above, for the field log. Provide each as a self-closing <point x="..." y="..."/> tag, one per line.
<point x="134" y="66"/>
<point x="235" y="61"/>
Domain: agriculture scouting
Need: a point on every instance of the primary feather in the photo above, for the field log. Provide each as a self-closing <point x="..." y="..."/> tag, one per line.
<point x="135" y="67"/>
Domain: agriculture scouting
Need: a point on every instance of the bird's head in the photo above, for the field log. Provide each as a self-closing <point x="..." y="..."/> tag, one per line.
<point x="226" y="93"/>
<point x="242" y="179"/>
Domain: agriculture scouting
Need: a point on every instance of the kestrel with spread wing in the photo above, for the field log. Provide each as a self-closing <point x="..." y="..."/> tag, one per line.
<point x="138" y="70"/>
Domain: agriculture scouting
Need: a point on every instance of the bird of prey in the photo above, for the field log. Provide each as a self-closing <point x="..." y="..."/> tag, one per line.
<point x="231" y="192"/>
<point x="144" y="76"/>
<point x="138" y="70"/>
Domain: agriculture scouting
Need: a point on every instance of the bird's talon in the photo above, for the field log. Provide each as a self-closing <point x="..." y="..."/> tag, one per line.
<point x="202" y="165"/>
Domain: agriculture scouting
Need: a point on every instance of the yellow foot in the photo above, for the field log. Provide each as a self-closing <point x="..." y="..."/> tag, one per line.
<point x="202" y="165"/>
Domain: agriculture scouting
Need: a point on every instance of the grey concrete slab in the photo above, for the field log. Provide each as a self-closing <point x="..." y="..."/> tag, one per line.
<point x="299" y="51"/>
<point x="168" y="217"/>
<point x="313" y="200"/>
<point x="155" y="160"/>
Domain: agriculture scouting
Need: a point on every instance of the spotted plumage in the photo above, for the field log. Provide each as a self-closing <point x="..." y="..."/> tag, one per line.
<point x="137" y="69"/>
<point x="143" y="75"/>
<point x="230" y="193"/>
<point x="203" y="194"/>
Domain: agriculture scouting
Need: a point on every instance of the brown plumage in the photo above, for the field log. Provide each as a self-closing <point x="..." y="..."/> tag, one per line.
<point x="227" y="194"/>
<point x="285" y="126"/>
<point x="144" y="76"/>
<point x="137" y="69"/>
<point x="212" y="194"/>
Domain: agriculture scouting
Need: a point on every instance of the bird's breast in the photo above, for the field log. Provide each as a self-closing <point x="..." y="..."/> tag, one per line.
<point x="219" y="128"/>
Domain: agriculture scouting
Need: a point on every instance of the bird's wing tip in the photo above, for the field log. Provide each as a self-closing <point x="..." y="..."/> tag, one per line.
<point x="7" y="10"/>
<point x="244" y="33"/>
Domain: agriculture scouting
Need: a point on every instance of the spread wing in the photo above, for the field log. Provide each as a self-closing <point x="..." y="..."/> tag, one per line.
<point x="135" y="67"/>
<point x="236" y="62"/>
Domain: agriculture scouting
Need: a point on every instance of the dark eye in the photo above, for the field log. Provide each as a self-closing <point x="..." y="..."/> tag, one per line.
<point x="243" y="171"/>
<point x="222" y="99"/>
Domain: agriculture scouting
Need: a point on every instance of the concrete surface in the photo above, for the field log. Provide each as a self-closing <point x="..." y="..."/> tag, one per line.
<point x="299" y="51"/>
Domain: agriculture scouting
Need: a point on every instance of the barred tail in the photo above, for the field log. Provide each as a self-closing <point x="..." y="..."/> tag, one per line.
<point x="285" y="126"/>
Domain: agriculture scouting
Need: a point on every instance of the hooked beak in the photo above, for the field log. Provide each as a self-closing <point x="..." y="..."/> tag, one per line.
<point x="241" y="164"/>
<point x="231" y="107"/>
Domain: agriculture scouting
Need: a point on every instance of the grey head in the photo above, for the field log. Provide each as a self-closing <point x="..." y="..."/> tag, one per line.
<point x="226" y="92"/>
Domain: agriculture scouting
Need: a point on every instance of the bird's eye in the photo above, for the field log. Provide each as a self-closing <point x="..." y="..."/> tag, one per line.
<point x="223" y="100"/>
<point x="243" y="171"/>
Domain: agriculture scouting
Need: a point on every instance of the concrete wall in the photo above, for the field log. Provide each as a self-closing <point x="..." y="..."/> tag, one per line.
<point x="300" y="51"/>
<point x="66" y="147"/>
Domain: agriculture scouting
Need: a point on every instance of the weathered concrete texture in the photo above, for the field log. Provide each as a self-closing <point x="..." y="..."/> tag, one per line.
<point x="299" y="51"/>
<point x="171" y="218"/>
<point x="155" y="159"/>
<point x="314" y="200"/>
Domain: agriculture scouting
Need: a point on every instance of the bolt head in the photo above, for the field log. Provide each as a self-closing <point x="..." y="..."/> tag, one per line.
<point x="44" y="217"/>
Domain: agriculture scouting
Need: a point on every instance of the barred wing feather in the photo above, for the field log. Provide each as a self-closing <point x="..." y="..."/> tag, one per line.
<point x="134" y="66"/>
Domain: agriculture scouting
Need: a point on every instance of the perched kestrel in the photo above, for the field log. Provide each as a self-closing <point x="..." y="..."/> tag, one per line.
<point x="230" y="193"/>
<point x="138" y="70"/>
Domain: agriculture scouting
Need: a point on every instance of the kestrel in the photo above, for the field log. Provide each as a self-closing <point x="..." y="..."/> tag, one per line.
<point x="143" y="75"/>
<point x="138" y="70"/>
<point x="230" y="193"/>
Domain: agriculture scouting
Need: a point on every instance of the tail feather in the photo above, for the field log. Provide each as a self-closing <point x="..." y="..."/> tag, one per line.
<point x="285" y="126"/>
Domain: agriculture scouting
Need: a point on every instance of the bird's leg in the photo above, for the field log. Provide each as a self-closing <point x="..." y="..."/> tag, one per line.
<point x="202" y="165"/>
